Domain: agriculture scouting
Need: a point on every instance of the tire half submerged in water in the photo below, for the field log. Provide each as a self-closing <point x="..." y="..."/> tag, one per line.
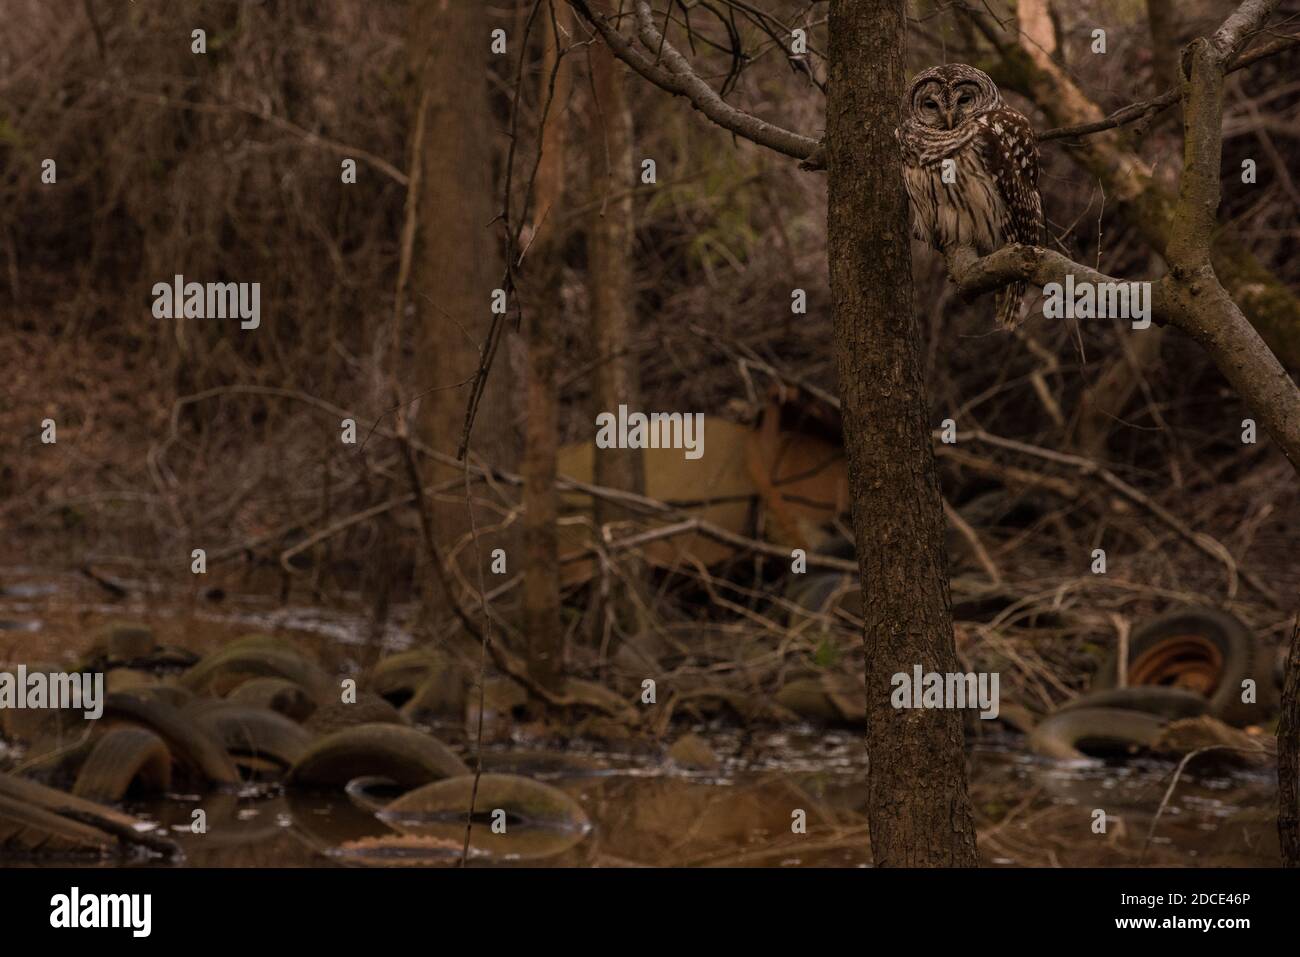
<point x="187" y="741"/>
<point x="1202" y="650"/>
<point x="122" y="758"/>
<point x="251" y="732"/>
<point x="406" y="756"/>
<point x="337" y="715"/>
<point x="257" y="657"/>
<point x="1076" y="734"/>
<point x="1171" y="703"/>
<point x="278" y="694"/>
<point x="539" y="821"/>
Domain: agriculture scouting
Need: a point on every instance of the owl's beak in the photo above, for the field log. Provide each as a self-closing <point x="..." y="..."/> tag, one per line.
<point x="947" y="119"/>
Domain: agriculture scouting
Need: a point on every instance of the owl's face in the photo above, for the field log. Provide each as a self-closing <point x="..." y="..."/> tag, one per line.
<point x="946" y="96"/>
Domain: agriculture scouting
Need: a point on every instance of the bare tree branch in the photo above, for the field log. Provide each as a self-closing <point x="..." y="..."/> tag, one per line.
<point x="974" y="275"/>
<point x="1135" y="112"/>
<point x="1190" y="296"/>
<point x="1272" y="307"/>
<point x="671" y="71"/>
<point x="1204" y="64"/>
<point x="1288" y="756"/>
<point x="1193" y="301"/>
<point x="1246" y="19"/>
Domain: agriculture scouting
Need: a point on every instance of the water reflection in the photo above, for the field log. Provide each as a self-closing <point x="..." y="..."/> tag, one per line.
<point x="643" y="809"/>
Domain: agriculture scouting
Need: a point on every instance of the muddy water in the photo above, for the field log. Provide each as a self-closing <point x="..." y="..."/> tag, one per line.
<point x="644" y="810"/>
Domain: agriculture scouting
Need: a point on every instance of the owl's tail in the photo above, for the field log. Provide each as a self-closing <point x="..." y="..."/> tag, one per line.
<point x="1008" y="304"/>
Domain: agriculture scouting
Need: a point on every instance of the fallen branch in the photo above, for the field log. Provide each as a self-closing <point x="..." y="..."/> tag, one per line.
<point x="341" y="525"/>
<point x="315" y="139"/>
<point x="125" y="834"/>
<point x="1169" y="791"/>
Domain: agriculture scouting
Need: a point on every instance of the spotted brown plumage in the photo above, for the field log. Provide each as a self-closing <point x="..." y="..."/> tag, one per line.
<point x="970" y="164"/>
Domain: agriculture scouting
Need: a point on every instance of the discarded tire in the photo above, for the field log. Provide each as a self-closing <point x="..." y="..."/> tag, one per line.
<point x="1203" y="650"/>
<point x="442" y="695"/>
<point x="367" y="709"/>
<point x="398" y="677"/>
<point x="263" y="658"/>
<point x="259" y="639"/>
<point x="533" y="820"/>
<point x="187" y="741"/>
<point x="125" y="642"/>
<point x="123" y="759"/>
<point x="823" y="593"/>
<point x="277" y="694"/>
<point x="128" y="679"/>
<point x="168" y="660"/>
<point x="1076" y="735"/>
<point x="503" y="700"/>
<point x="58" y="763"/>
<point x="407" y="756"/>
<point x="835" y="699"/>
<point x="174" y="695"/>
<point x="1170" y="703"/>
<point x="248" y="732"/>
<point x="115" y="645"/>
<point x="372" y="794"/>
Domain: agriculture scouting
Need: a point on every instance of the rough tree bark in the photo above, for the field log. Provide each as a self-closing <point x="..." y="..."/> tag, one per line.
<point x="543" y="304"/>
<point x="918" y="808"/>
<point x="919" y="811"/>
<point x="1288" y="757"/>
<point x="611" y="292"/>
<point x="456" y="260"/>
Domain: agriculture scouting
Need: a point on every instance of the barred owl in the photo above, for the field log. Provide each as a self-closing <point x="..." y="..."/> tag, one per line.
<point x="987" y="196"/>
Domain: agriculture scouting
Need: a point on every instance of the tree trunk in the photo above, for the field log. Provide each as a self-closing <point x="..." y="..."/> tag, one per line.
<point x="918" y="808"/>
<point x="456" y="260"/>
<point x="542" y="305"/>
<point x="612" y="297"/>
<point x="1288" y="757"/>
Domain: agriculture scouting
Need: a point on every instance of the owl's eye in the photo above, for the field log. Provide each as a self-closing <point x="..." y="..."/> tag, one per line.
<point x="929" y="105"/>
<point x="965" y="99"/>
